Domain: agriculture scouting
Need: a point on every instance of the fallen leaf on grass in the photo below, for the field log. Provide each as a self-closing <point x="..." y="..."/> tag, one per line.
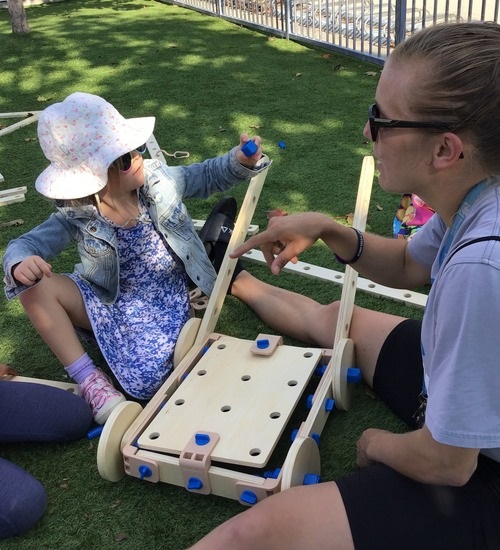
<point x="371" y="73"/>
<point x="326" y="56"/>
<point x="11" y="223"/>
<point x="121" y="537"/>
<point x="42" y="98"/>
<point x="64" y="484"/>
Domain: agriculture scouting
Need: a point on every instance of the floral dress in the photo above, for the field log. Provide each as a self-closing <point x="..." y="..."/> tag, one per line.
<point x="137" y="334"/>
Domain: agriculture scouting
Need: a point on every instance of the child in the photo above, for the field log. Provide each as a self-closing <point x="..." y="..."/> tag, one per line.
<point x="413" y="213"/>
<point x="136" y="242"/>
<point x="32" y="412"/>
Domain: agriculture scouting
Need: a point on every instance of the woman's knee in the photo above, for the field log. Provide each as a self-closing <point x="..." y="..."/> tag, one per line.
<point x="22" y="500"/>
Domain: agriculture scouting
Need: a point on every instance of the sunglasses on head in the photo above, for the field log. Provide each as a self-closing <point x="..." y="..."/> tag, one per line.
<point x="125" y="161"/>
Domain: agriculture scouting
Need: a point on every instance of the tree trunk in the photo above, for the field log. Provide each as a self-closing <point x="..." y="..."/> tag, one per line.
<point x="18" y="18"/>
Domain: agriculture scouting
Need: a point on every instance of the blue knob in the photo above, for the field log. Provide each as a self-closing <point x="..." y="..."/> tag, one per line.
<point x="311" y="479"/>
<point x="263" y="343"/>
<point x="202" y="439"/>
<point x="353" y="375"/>
<point x="248" y="497"/>
<point x="194" y="484"/>
<point x="329" y="405"/>
<point x="145" y="471"/>
<point x="272" y="474"/>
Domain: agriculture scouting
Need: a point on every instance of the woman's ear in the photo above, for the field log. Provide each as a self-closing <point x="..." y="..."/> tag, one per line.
<point x="449" y="150"/>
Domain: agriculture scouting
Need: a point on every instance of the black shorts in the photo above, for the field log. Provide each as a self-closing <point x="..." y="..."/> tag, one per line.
<point x="387" y="510"/>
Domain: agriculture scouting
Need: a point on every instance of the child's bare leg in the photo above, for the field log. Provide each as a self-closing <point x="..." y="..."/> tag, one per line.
<point x="55" y="306"/>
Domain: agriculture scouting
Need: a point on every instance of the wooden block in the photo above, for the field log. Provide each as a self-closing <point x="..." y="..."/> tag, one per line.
<point x="10" y="196"/>
<point x="266" y="344"/>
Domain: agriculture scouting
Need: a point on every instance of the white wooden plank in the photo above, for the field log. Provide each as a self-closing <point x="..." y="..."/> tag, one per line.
<point x="11" y="199"/>
<point x="13" y="191"/>
<point x="19" y="124"/>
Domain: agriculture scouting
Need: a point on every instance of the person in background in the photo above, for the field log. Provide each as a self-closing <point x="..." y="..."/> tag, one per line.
<point x="413" y="213"/>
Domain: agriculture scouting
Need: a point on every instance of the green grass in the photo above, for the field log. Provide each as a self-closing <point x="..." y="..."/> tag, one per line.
<point x="206" y="81"/>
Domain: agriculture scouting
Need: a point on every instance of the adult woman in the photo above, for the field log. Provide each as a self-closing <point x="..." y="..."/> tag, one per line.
<point x="435" y="131"/>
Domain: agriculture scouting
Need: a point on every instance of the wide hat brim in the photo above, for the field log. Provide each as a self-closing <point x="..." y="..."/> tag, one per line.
<point x="67" y="182"/>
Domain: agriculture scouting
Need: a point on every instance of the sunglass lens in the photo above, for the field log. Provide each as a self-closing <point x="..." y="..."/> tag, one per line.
<point x="142" y="149"/>
<point x="126" y="160"/>
<point x="373" y="113"/>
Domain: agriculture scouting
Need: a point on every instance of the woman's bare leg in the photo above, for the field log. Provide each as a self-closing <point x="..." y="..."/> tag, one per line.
<point x="309" y="516"/>
<point x="308" y="321"/>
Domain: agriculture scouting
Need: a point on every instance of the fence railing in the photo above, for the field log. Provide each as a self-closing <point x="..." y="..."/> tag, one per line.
<point x="366" y="29"/>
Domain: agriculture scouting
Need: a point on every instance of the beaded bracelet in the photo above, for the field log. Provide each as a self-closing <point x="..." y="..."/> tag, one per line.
<point x="359" y="251"/>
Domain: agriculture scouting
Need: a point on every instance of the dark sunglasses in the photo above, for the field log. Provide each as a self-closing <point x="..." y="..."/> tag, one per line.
<point x="377" y="122"/>
<point x="125" y="161"/>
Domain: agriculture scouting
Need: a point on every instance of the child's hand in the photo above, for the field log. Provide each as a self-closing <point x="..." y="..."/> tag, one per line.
<point x="31" y="270"/>
<point x="7" y="370"/>
<point x="249" y="162"/>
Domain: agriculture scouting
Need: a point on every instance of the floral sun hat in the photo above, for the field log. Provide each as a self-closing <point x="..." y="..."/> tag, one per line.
<point x="82" y="136"/>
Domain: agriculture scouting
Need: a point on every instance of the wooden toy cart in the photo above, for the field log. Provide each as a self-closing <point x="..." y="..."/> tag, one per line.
<point x="214" y="424"/>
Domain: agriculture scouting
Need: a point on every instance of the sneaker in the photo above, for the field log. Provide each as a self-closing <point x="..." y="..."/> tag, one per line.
<point x="99" y="393"/>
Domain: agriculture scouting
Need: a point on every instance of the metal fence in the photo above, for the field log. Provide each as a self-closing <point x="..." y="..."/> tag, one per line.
<point x="366" y="29"/>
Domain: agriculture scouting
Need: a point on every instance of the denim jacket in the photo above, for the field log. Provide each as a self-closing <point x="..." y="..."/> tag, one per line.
<point x="162" y="193"/>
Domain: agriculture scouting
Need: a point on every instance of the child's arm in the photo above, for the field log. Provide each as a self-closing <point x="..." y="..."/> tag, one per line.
<point x="45" y="241"/>
<point x="218" y="174"/>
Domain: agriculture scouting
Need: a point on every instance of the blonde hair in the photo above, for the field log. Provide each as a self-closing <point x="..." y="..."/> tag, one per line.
<point x="460" y="83"/>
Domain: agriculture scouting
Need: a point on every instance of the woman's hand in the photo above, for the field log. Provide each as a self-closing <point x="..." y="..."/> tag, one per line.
<point x="285" y="238"/>
<point x="362" y="452"/>
<point x="31" y="270"/>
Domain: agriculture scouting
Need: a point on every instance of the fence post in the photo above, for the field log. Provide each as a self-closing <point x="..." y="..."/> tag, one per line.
<point x="288" y="12"/>
<point x="400" y="22"/>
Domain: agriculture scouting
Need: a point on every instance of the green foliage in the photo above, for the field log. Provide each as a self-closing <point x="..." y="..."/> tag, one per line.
<point x="206" y="81"/>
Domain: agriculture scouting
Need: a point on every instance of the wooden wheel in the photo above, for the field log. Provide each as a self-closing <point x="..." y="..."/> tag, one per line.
<point x="343" y="359"/>
<point x="302" y="458"/>
<point x="186" y="339"/>
<point x="109" y="452"/>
